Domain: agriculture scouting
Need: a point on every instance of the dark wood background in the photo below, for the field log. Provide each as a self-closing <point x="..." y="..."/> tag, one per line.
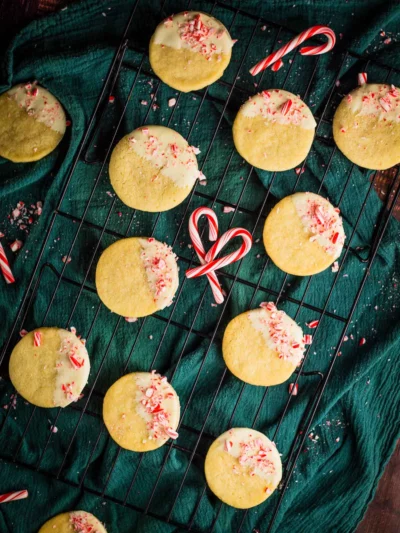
<point x="383" y="515"/>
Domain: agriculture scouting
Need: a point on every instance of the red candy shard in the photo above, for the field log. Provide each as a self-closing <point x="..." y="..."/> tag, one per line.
<point x="362" y="341"/>
<point x="293" y="389"/>
<point x="37" y="338"/>
<point x="307" y="339"/>
<point x="76" y="362"/>
<point x="313" y="324"/>
<point x="286" y="107"/>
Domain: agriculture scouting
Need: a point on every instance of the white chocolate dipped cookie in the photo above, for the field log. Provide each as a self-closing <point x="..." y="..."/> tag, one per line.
<point x="243" y="467"/>
<point x="274" y="130"/>
<point x="366" y="126"/>
<point x="141" y="411"/>
<point x="49" y="367"/>
<point x="32" y="123"/>
<point x="263" y="346"/>
<point x="303" y="234"/>
<point x="153" y="169"/>
<point x="136" y="277"/>
<point x="190" y="50"/>
<point x="73" y="522"/>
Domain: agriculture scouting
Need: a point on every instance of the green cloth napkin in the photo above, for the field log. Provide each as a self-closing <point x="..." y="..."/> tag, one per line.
<point x="357" y="421"/>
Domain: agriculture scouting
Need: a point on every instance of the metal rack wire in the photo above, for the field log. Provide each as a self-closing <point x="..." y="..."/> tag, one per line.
<point x="318" y="379"/>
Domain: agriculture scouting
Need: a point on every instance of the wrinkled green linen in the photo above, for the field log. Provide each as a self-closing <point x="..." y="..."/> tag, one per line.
<point x="357" y="422"/>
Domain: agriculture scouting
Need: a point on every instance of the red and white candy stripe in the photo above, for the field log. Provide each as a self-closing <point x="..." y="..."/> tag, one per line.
<point x="37" y="338"/>
<point x="12" y="496"/>
<point x="198" y="245"/>
<point x="5" y="266"/>
<point x="362" y="78"/>
<point x="275" y="58"/>
<point x="208" y="262"/>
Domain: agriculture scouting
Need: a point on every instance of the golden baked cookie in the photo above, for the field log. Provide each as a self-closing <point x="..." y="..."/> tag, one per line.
<point x="49" y="367"/>
<point x="153" y="169"/>
<point x="141" y="411"/>
<point x="303" y="234"/>
<point x="366" y="126"/>
<point x="32" y="123"/>
<point x="274" y="130"/>
<point x="136" y="277"/>
<point x="243" y="467"/>
<point x="73" y="522"/>
<point x="263" y="346"/>
<point x="190" y="50"/>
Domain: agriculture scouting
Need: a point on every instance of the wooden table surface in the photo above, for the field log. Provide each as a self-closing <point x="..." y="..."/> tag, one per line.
<point x="383" y="515"/>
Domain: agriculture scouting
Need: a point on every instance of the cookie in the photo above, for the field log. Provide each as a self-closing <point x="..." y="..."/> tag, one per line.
<point x="274" y="130"/>
<point x="153" y="169"/>
<point x="73" y="522"/>
<point x="141" y="411"/>
<point x="303" y="234"/>
<point x="136" y="277"/>
<point x="243" y="467"/>
<point x="366" y="126"/>
<point x="32" y="123"/>
<point x="49" y="367"/>
<point x="190" y="50"/>
<point x="263" y="346"/>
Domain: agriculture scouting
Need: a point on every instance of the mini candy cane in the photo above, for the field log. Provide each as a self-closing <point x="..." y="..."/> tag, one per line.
<point x="275" y="58"/>
<point x="199" y="248"/>
<point x="5" y="266"/>
<point x="12" y="496"/>
<point x="208" y="262"/>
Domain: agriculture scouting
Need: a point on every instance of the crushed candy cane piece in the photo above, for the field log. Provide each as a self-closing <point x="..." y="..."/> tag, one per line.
<point x="37" y="338"/>
<point x="171" y="102"/>
<point x="293" y="389"/>
<point x="362" y="78"/>
<point x="362" y="341"/>
<point x="313" y="324"/>
<point x="307" y="339"/>
<point x="16" y="245"/>
<point x="131" y="319"/>
<point x="228" y="209"/>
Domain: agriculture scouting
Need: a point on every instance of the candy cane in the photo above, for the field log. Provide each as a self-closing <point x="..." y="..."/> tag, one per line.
<point x="199" y="248"/>
<point x="275" y="58"/>
<point x="12" y="496"/>
<point x="208" y="262"/>
<point x="5" y="266"/>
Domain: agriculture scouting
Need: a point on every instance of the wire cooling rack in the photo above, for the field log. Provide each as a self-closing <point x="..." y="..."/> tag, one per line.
<point x="104" y="129"/>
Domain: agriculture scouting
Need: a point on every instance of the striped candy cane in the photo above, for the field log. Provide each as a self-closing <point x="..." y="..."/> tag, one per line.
<point x="5" y="266"/>
<point x="275" y="60"/>
<point x="208" y="262"/>
<point x="199" y="248"/>
<point x="12" y="496"/>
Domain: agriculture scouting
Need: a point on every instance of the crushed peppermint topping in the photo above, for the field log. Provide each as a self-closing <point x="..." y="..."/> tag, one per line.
<point x="253" y="455"/>
<point x="81" y="523"/>
<point x="196" y="34"/>
<point x="322" y="222"/>
<point x="152" y="399"/>
<point x="37" y="338"/>
<point x="279" y="332"/>
<point x="158" y="265"/>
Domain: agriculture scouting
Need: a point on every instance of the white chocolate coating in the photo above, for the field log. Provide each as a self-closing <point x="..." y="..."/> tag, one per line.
<point x="254" y="451"/>
<point x="280" y="332"/>
<point x="380" y="100"/>
<point x="321" y="219"/>
<point x="157" y="403"/>
<point x="195" y="31"/>
<point x="269" y="105"/>
<point x="40" y="104"/>
<point x="168" y="151"/>
<point x="70" y="378"/>
<point x="161" y="270"/>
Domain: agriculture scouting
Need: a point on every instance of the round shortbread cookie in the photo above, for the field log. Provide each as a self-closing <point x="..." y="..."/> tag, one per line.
<point x="73" y="522"/>
<point x="303" y="234"/>
<point x="32" y="123"/>
<point x="190" y="50"/>
<point x="243" y="467"/>
<point x="49" y="367"/>
<point x="136" y="277"/>
<point x="141" y="411"/>
<point x="263" y="346"/>
<point x="274" y="130"/>
<point x="153" y="169"/>
<point x="366" y="126"/>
